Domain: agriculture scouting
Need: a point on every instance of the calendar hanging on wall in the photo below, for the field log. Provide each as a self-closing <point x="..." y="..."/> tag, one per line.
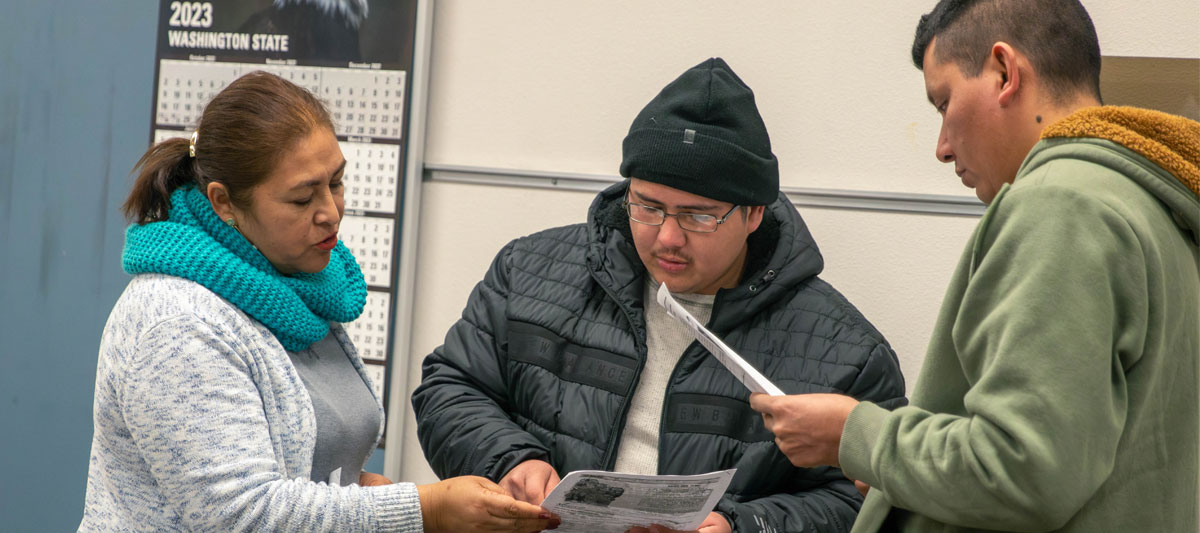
<point x="356" y="57"/>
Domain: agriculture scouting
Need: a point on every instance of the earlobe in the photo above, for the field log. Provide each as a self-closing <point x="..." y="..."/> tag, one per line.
<point x="1005" y="60"/>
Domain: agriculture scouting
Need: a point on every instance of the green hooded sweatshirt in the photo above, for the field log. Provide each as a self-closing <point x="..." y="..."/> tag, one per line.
<point x="1060" y="389"/>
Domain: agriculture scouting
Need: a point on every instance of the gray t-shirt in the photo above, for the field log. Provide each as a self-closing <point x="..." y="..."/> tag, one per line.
<point x="347" y="415"/>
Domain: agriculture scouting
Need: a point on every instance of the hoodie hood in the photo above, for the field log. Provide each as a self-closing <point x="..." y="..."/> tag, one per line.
<point x="1170" y="142"/>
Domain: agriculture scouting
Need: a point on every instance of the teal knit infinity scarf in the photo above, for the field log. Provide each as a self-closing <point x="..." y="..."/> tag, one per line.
<point x="194" y="243"/>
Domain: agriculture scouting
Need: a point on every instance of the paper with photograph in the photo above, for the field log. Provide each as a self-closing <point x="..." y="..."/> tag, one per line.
<point x="595" y="501"/>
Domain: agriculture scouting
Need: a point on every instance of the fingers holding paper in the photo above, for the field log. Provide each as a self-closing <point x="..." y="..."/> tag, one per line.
<point x="715" y="523"/>
<point x="807" y="427"/>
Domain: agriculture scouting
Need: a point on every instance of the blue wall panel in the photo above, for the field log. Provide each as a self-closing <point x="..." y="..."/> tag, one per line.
<point x="76" y="79"/>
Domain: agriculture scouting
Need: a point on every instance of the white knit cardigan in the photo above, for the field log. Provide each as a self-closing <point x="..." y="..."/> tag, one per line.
<point x="203" y="424"/>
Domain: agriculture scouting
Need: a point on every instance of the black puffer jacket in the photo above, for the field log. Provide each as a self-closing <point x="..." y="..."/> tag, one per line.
<point x="545" y="359"/>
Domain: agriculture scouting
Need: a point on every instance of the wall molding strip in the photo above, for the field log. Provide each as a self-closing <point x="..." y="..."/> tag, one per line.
<point x="894" y="202"/>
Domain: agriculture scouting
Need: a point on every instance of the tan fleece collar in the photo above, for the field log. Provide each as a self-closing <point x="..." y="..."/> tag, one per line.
<point x="1169" y="141"/>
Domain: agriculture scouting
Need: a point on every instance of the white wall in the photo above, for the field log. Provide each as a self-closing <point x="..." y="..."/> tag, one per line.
<point x="1163" y="28"/>
<point x="552" y="86"/>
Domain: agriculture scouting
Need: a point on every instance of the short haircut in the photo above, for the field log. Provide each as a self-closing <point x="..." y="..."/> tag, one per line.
<point x="1056" y="35"/>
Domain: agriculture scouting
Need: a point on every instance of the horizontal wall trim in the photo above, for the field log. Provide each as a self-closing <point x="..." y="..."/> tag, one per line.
<point x="926" y="204"/>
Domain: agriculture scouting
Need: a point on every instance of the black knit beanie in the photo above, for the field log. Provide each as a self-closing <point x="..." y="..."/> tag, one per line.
<point x="702" y="134"/>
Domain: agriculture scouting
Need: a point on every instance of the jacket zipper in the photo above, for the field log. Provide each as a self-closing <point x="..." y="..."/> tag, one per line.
<point x="610" y="455"/>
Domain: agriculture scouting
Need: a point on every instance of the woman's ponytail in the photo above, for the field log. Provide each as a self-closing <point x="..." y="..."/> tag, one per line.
<point x="166" y="166"/>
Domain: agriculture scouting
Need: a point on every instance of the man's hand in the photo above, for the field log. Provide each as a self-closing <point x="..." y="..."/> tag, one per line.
<point x="472" y="503"/>
<point x="530" y="481"/>
<point x="368" y="479"/>
<point x="807" y="427"/>
<point x="863" y="488"/>
<point x="714" y="523"/>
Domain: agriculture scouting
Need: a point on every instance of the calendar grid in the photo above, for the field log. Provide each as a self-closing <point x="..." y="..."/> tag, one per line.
<point x="362" y="103"/>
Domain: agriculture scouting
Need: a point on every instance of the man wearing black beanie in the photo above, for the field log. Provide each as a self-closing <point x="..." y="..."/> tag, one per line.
<point x="564" y="361"/>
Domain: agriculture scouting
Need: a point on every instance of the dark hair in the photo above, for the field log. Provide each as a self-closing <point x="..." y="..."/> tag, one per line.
<point x="242" y="134"/>
<point x="1056" y="35"/>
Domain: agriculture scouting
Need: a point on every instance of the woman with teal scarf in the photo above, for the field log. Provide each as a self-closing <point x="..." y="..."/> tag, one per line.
<point x="228" y="396"/>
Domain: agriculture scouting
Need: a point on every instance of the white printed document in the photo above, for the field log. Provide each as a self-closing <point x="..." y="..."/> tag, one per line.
<point x="748" y="375"/>
<point x="593" y="501"/>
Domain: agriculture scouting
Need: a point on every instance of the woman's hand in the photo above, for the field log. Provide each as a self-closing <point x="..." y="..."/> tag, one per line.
<point x="471" y="503"/>
<point x="368" y="479"/>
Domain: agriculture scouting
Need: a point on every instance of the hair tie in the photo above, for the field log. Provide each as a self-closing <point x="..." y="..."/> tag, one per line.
<point x="192" y="144"/>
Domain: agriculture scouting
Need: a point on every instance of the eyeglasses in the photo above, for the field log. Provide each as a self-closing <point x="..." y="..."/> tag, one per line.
<point x="694" y="222"/>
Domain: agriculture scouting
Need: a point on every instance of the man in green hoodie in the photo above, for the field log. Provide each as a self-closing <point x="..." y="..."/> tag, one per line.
<point x="1059" y="391"/>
